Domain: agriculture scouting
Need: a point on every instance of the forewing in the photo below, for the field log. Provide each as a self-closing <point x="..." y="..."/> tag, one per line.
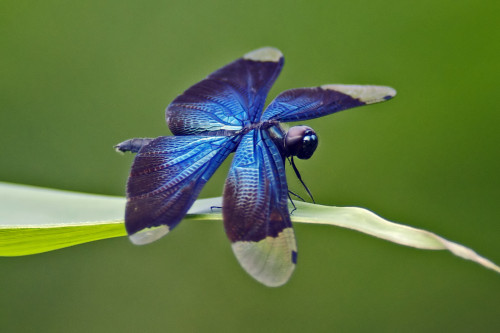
<point x="228" y="98"/>
<point x="255" y="211"/>
<point x="308" y="103"/>
<point x="166" y="177"/>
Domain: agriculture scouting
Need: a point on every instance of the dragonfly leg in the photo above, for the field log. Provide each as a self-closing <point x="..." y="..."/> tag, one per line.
<point x="295" y="195"/>
<point x="212" y="208"/>
<point x="297" y="173"/>
<point x="291" y="201"/>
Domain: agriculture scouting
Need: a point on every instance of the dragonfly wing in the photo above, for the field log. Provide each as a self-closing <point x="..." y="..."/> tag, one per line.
<point x="227" y="99"/>
<point x="166" y="177"/>
<point x="255" y="211"/>
<point x="308" y="103"/>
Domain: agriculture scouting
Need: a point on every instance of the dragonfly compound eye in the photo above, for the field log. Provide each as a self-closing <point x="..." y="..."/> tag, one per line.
<point x="301" y="141"/>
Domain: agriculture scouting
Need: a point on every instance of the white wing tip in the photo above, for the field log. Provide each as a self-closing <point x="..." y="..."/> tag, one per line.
<point x="366" y="94"/>
<point x="271" y="261"/>
<point x="149" y="235"/>
<point x="265" y="54"/>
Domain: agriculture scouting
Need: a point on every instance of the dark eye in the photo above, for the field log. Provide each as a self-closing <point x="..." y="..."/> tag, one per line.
<point x="309" y="144"/>
<point x="301" y="141"/>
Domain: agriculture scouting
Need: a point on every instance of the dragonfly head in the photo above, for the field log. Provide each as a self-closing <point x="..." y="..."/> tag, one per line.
<point x="301" y="141"/>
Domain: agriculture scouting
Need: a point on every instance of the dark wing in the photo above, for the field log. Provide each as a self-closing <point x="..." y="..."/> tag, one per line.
<point x="308" y="103"/>
<point x="166" y="177"/>
<point x="255" y="211"/>
<point x="229" y="98"/>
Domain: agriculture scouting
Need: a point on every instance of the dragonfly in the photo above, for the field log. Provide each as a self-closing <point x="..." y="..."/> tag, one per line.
<point x="223" y="114"/>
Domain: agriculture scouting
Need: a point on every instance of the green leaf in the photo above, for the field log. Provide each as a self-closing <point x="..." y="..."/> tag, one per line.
<point x="367" y="222"/>
<point x="35" y="220"/>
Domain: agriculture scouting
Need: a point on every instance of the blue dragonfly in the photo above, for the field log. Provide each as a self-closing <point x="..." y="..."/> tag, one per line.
<point x="219" y="115"/>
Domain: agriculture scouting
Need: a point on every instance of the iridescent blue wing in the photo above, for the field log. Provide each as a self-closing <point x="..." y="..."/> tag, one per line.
<point x="229" y="98"/>
<point x="166" y="177"/>
<point x="255" y="211"/>
<point x="308" y="103"/>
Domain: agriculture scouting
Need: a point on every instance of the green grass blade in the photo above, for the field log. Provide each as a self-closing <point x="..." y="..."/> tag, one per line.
<point x="367" y="222"/>
<point x="32" y="240"/>
<point x="35" y="220"/>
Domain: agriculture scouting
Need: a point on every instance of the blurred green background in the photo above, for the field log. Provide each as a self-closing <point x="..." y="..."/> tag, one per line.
<point x="78" y="77"/>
